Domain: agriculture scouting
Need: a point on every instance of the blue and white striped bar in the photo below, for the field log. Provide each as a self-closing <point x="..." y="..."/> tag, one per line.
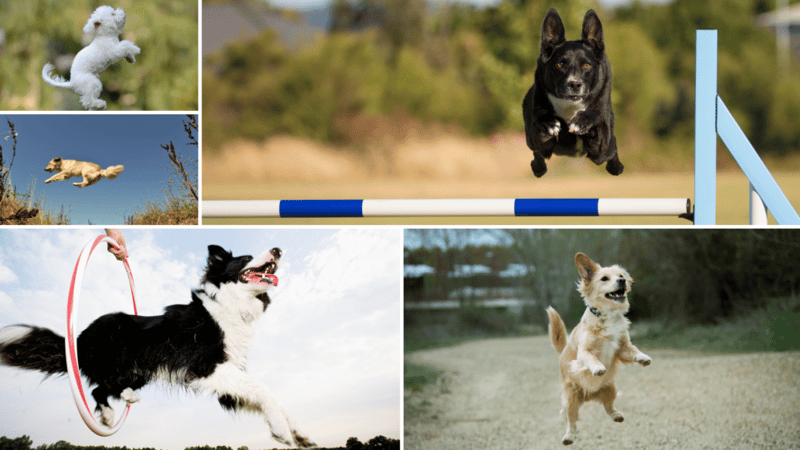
<point x="449" y="207"/>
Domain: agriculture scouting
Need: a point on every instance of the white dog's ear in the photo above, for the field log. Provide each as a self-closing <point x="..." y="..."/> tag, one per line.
<point x="120" y="17"/>
<point x="586" y="267"/>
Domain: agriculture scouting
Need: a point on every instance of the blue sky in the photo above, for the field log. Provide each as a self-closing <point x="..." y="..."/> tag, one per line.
<point x="329" y="346"/>
<point x="133" y="141"/>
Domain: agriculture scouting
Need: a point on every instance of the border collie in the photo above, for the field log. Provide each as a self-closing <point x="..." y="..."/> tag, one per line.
<point x="201" y="346"/>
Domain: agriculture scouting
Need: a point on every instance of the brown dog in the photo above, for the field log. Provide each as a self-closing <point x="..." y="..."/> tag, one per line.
<point x="91" y="172"/>
<point x="590" y="355"/>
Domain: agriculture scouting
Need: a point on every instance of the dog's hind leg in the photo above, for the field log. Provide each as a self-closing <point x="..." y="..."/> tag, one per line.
<point x="607" y="395"/>
<point x="100" y="395"/>
<point x="90" y="87"/>
<point x="571" y="401"/>
<point x="87" y="181"/>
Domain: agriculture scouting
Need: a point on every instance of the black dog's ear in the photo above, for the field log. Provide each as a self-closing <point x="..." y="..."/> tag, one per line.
<point x="553" y="34"/>
<point x="218" y="254"/>
<point x="593" y="33"/>
<point x="57" y="159"/>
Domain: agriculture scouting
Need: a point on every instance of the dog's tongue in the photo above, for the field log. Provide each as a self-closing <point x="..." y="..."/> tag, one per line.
<point x="257" y="277"/>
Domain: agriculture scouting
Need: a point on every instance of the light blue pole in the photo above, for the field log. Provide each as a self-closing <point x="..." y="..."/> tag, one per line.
<point x="705" y="129"/>
<point x="755" y="170"/>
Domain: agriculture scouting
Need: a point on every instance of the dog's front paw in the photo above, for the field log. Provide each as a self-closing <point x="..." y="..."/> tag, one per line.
<point x="617" y="416"/>
<point x="552" y="128"/>
<point x="303" y="441"/>
<point x="582" y="123"/>
<point x="539" y="167"/>
<point x="568" y="438"/>
<point x="598" y="370"/>
<point x="614" y="167"/>
<point x="643" y="359"/>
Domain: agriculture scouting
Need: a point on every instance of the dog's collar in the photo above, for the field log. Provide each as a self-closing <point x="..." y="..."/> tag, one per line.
<point x="595" y="311"/>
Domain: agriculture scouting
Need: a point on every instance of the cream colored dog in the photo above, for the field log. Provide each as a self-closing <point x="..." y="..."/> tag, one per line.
<point x="91" y="172"/>
<point x="590" y="355"/>
<point x="105" y="49"/>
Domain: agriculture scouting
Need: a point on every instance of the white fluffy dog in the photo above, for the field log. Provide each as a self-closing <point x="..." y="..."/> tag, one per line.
<point x="106" y="24"/>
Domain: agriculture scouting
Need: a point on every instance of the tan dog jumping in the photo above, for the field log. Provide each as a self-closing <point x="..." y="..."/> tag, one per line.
<point x="91" y="172"/>
<point x="590" y="355"/>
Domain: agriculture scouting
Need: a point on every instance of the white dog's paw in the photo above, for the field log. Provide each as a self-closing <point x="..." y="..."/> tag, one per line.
<point x="598" y="370"/>
<point x="569" y="438"/>
<point x="107" y="416"/>
<point x="129" y="396"/>
<point x="643" y="359"/>
<point x="617" y="416"/>
<point x="98" y="105"/>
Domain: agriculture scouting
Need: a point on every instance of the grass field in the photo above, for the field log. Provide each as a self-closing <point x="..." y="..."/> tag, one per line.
<point x="452" y="166"/>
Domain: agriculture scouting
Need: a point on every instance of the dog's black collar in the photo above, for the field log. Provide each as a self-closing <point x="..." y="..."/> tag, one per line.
<point x="595" y="311"/>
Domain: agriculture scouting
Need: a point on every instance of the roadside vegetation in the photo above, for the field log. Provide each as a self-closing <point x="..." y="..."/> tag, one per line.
<point x="180" y="206"/>
<point x="18" y="207"/>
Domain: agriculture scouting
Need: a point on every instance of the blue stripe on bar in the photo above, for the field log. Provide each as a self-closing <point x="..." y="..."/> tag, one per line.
<point x="556" y="207"/>
<point x="321" y="208"/>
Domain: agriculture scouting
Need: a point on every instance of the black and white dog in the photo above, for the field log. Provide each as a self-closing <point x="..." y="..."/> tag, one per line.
<point x="571" y="97"/>
<point x="201" y="346"/>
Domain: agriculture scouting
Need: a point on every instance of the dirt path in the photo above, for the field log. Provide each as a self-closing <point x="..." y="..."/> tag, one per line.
<point x="505" y="394"/>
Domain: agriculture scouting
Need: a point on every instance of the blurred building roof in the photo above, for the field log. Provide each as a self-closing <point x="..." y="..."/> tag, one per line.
<point x="780" y="18"/>
<point x="227" y="22"/>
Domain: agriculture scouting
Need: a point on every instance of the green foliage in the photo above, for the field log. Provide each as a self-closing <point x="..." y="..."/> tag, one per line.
<point x="773" y="328"/>
<point x="20" y="443"/>
<point x="470" y="67"/>
<point x="164" y="76"/>
<point x="686" y="276"/>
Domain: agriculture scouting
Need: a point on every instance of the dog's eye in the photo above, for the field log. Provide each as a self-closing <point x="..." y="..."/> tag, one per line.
<point x="587" y="66"/>
<point x="560" y="65"/>
<point x="604" y="279"/>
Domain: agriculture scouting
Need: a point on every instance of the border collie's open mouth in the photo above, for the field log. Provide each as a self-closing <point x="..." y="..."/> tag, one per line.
<point x="254" y="276"/>
<point x="263" y="274"/>
<point x="618" y="295"/>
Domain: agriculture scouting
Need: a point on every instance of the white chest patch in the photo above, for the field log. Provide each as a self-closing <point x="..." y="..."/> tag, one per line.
<point x="564" y="108"/>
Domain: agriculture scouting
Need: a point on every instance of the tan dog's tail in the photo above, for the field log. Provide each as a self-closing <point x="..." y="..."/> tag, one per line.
<point x="111" y="172"/>
<point x="557" y="330"/>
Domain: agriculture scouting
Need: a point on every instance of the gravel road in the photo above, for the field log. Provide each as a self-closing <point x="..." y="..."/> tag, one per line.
<point x="505" y="394"/>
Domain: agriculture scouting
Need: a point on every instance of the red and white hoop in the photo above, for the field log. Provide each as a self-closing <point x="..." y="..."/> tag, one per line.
<point x="75" y="381"/>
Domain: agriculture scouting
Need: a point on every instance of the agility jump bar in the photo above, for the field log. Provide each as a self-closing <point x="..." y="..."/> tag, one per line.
<point x="450" y="207"/>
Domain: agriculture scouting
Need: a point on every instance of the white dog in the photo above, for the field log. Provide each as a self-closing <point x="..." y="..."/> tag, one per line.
<point x="106" y="23"/>
<point x="91" y="172"/>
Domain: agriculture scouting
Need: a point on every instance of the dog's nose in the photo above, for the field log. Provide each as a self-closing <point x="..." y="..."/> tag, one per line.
<point x="621" y="281"/>
<point x="574" y="85"/>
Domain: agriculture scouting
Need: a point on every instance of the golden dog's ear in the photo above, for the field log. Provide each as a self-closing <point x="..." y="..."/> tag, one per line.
<point x="586" y="267"/>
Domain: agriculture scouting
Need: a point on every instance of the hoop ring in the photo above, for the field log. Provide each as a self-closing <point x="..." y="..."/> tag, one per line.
<point x="78" y="392"/>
